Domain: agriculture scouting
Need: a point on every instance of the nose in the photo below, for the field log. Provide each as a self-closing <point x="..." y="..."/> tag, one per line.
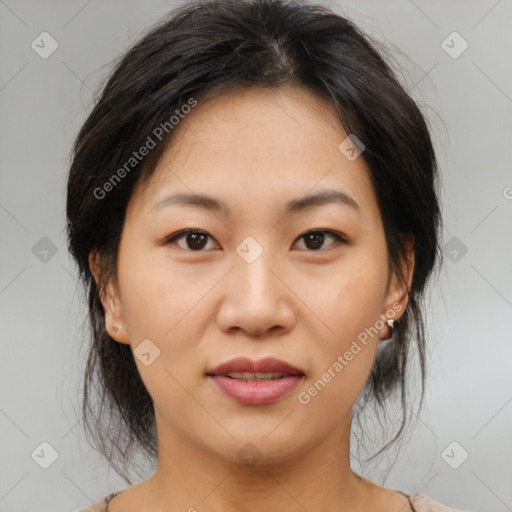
<point x="256" y="299"/>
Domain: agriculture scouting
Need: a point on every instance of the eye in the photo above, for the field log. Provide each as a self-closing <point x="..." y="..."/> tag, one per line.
<point x="195" y="240"/>
<point x="315" y="239"/>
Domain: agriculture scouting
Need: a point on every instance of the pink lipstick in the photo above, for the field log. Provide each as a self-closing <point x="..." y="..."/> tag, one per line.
<point x="256" y="382"/>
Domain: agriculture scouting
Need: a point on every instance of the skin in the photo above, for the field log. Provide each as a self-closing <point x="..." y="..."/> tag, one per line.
<point x="254" y="149"/>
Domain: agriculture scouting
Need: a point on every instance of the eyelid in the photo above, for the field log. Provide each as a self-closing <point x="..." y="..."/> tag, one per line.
<point x="339" y="237"/>
<point x="182" y="233"/>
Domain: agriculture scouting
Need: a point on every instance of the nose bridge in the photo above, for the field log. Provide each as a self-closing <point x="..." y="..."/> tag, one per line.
<point x="253" y="275"/>
<point x="255" y="299"/>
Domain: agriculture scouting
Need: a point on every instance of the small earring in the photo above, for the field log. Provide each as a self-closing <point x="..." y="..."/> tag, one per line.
<point x="390" y="322"/>
<point x="115" y="328"/>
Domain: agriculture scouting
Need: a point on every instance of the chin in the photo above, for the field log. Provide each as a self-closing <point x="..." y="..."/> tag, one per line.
<point x="260" y="449"/>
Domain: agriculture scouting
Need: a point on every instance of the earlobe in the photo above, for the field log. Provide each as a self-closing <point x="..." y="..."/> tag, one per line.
<point x="114" y="319"/>
<point x="117" y="332"/>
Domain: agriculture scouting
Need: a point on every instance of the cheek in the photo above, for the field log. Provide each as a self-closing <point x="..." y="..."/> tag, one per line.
<point x="349" y="297"/>
<point x="165" y="305"/>
<point x="331" y="394"/>
<point x="348" y="303"/>
<point x="343" y="360"/>
<point x="156" y="295"/>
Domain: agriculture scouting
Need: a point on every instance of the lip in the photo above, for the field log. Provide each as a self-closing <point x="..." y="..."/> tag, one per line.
<point x="257" y="392"/>
<point x="265" y="365"/>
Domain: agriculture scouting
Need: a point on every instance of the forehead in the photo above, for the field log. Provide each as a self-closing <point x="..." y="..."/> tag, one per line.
<point x="253" y="143"/>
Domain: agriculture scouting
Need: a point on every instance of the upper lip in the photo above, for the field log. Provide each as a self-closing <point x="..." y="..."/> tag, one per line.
<point x="265" y="365"/>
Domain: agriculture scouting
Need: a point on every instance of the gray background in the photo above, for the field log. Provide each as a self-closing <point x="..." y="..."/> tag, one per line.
<point x="468" y="101"/>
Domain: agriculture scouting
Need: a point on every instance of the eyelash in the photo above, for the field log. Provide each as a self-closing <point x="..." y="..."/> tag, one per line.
<point x="182" y="234"/>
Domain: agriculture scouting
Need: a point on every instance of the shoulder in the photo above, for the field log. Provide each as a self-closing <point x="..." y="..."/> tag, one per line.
<point x="100" y="505"/>
<point x="423" y="503"/>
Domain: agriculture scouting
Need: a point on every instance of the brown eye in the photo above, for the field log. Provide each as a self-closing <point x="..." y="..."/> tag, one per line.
<point x="315" y="239"/>
<point x="194" y="240"/>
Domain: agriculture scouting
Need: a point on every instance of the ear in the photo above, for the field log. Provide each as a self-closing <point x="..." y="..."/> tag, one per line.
<point x="397" y="296"/>
<point x="111" y="305"/>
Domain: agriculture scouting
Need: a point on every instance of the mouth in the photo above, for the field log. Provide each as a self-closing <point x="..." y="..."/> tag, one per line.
<point x="256" y="382"/>
<point x="248" y="376"/>
<point x="269" y="368"/>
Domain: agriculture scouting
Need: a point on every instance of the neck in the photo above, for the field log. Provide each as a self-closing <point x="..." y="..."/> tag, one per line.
<point x="191" y="477"/>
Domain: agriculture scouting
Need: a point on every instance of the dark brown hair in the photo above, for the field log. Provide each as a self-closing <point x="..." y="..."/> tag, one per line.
<point x="202" y="49"/>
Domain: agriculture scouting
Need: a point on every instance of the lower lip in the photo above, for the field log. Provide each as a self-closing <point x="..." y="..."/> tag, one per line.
<point x="256" y="392"/>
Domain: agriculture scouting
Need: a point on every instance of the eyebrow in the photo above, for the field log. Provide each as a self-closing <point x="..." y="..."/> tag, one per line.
<point x="323" y="197"/>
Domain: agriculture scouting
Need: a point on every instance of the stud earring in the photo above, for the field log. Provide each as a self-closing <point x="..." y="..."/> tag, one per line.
<point x="394" y="324"/>
<point x="115" y="328"/>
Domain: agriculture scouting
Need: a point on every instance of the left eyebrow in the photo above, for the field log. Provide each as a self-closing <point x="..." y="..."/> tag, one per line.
<point x="206" y="202"/>
<point x="320" y="198"/>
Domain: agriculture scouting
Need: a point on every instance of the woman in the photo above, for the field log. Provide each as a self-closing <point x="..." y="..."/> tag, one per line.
<point x="252" y="206"/>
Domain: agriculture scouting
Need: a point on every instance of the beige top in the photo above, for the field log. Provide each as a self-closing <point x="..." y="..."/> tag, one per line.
<point x="419" y="503"/>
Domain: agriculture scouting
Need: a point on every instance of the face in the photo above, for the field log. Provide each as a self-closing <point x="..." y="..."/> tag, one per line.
<point x="307" y="285"/>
